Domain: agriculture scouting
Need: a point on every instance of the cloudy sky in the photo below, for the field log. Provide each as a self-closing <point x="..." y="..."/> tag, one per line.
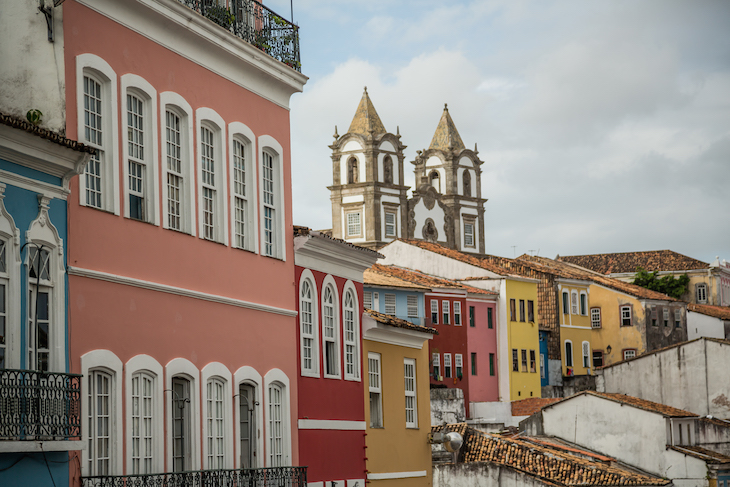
<point x="603" y="126"/>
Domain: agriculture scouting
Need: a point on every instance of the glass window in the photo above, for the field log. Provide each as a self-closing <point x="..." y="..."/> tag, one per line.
<point x="595" y="317"/>
<point x="354" y="228"/>
<point x="208" y="179"/>
<point x="390" y="224"/>
<point x="175" y="176"/>
<point x="469" y="240"/>
<point x="270" y="201"/>
<point x="490" y="317"/>
<point x="306" y="318"/>
<point x="93" y="135"/>
<point x="142" y="423"/>
<point x="524" y="360"/>
<point x="515" y="361"/>
<point x="101" y="416"/>
<point x="533" y="362"/>
<point x="445" y="311"/>
<point x="583" y="304"/>
<point x="625" y="315"/>
<point x="522" y="310"/>
<point x="565" y="303"/>
<point x="240" y="202"/>
<point x="412" y="302"/>
<point x="329" y="326"/>
<point x="447" y="365"/>
<point x="434" y="312"/>
<point x="436" y="361"/>
<point x="367" y="300"/>
<point x="352" y="337"/>
<point x="512" y="310"/>
<point x="530" y="311"/>
<point x="276" y="425"/>
<point x="375" y="389"/>
<point x="409" y="375"/>
<point x="568" y="354"/>
<point x="215" y="425"/>
<point x="457" y="313"/>
<point x="459" y="365"/>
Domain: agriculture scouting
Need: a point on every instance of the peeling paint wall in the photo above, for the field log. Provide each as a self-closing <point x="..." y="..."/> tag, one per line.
<point x="447" y="406"/>
<point x="480" y="475"/>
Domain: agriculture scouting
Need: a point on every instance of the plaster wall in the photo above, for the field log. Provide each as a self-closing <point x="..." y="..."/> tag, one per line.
<point x="481" y="341"/>
<point x="522" y="336"/>
<point x="693" y="376"/>
<point x="700" y="325"/>
<point x="713" y="436"/>
<point x="32" y="76"/>
<point x="401" y="302"/>
<point x="631" y="435"/>
<point x="436" y="214"/>
<point x="447" y="406"/>
<point x="481" y="475"/>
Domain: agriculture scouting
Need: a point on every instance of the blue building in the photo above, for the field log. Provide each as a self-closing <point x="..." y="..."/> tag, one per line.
<point x="39" y="400"/>
<point x="387" y="294"/>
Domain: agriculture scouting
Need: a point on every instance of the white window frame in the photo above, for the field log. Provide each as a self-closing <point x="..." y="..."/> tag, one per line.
<point x="354" y="341"/>
<point x="457" y="313"/>
<point x="569" y="355"/>
<point x="136" y="86"/>
<point x="176" y="104"/>
<point x="367" y="300"/>
<point x="566" y="303"/>
<point x="574" y="308"/>
<point x="308" y="277"/>
<point x="470" y="233"/>
<point x="211" y="373"/>
<point x="42" y="232"/>
<point x="628" y="315"/>
<point x="10" y="235"/>
<point x="269" y="145"/>
<point x="436" y="363"/>
<point x="586" y="350"/>
<point x="209" y="118"/>
<point x="434" y="311"/>
<point x="375" y="388"/>
<point x="393" y="226"/>
<point x="238" y="133"/>
<point x="108" y="363"/>
<point x="278" y="378"/>
<point x="448" y="371"/>
<point x="677" y="317"/>
<point x="445" y="313"/>
<point x="412" y="305"/>
<point x="347" y="232"/>
<point x="99" y="70"/>
<point x="180" y="367"/>
<point x="629" y="353"/>
<point x="701" y="293"/>
<point x="583" y="299"/>
<point x="409" y="378"/>
<point x="145" y="365"/>
<point x="329" y="283"/>
<point x="391" y="304"/>
<point x="458" y="364"/>
<point x="596" y="317"/>
<point x="250" y="376"/>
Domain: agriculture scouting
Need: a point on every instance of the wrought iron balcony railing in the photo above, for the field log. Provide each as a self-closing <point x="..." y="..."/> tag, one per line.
<point x="254" y="477"/>
<point x="39" y="405"/>
<point x="255" y="24"/>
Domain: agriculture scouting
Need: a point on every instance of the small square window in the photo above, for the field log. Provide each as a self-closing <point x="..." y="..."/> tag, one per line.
<point x="625" y="315"/>
<point x="595" y="317"/>
<point x="598" y="358"/>
<point x="629" y="353"/>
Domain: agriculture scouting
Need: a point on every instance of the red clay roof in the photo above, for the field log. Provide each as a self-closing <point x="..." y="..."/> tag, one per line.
<point x="531" y="405"/>
<point x="396" y="322"/>
<point x="708" y="456"/>
<point x="652" y="260"/>
<point x="421" y="279"/>
<point x="722" y="312"/>
<point x="304" y="231"/>
<point x="654" y="407"/>
<point x="54" y="137"/>
<point x="557" y="466"/>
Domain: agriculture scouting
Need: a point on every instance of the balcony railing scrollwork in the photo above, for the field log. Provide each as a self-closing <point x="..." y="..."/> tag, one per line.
<point x="255" y="24"/>
<point x="254" y="477"/>
<point x="39" y="405"/>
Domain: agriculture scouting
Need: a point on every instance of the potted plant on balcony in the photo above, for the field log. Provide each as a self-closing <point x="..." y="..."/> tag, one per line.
<point x="220" y="15"/>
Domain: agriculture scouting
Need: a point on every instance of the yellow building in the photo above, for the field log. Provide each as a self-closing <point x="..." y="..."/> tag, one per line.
<point x="575" y="326"/>
<point x="519" y="315"/>
<point x="397" y="401"/>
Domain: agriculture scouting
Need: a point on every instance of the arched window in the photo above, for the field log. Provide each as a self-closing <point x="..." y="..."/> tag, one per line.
<point x="276" y="424"/>
<point x="247" y="424"/>
<point x="271" y="194"/>
<point x="435" y="180"/>
<point x="212" y="210"/>
<point x="215" y="423"/>
<point x="143" y="417"/>
<point x="9" y="289"/>
<point x="352" y="171"/>
<point x="101" y="417"/>
<point x="352" y="339"/>
<point x="308" y="321"/>
<point x="330" y="333"/>
<point x="467" y="183"/>
<point x="182" y="417"/>
<point x="388" y="170"/>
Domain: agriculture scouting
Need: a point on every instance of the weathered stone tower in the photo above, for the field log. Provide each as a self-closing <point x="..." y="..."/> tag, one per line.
<point x="447" y="207"/>
<point x="369" y="199"/>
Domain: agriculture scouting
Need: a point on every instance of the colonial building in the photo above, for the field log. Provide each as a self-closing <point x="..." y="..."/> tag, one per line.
<point x="370" y="205"/>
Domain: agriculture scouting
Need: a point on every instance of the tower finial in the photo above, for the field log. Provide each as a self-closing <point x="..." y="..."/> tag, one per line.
<point x="336" y="136"/>
<point x="475" y="148"/>
<point x="366" y="89"/>
<point x="446" y="107"/>
<point x="397" y="130"/>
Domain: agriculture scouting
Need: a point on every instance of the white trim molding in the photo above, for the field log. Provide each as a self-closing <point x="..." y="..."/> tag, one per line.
<point x="145" y="363"/>
<point x="396" y="475"/>
<point x="188" y="293"/>
<point x="331" y="424"/>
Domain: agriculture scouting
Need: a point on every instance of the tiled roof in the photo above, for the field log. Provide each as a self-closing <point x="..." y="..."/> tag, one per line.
<point x="716" y="421"/>
<point x="654" y="407"/>
<point x="425" y="280"/>
<point x="560" y="444"/>
<point x="460" y="256"/>
<point x="396" y="322"/>
<point x="20" y="124"/>
<point x="722" y="312"/>
<point x="446" y="136"/>
<point x="653" y="260"/>
<point x="531" y="405"/>
<point x="300" y="231"/>
<point x="375" y="277"/>
<point x="552" y="465"/>
<point x="708" y="456"/>
<point x="609" y="282"/>
<point x="366" y="119"/>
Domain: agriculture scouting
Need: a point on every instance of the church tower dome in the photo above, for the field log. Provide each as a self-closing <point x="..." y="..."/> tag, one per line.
<point x="450" y="174"/>
<point x="368" y="195"/>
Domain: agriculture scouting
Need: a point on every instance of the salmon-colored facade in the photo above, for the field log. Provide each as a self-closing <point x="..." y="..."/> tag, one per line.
<point x="181" y="271"/>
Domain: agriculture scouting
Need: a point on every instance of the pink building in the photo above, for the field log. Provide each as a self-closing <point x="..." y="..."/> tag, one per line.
<point x="482" y="349"/>
<point x="180" y="244"/>
<point x="332" y="428"/>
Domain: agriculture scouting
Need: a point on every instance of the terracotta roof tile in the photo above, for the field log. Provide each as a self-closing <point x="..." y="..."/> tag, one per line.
<point x="722" y="312"/>
<point x="653" y="260"/>
<point x="708" y="456"/>
<point x="396" y="322"/>
<point x="425" y="280"/>
<point x="300" y="231"/>
<point x="374" y="277"/>
<point x="54" y="137"/>
<point x="531" y="405"/>
<point x="655" y="407"/>
<point x="552" y="465"/>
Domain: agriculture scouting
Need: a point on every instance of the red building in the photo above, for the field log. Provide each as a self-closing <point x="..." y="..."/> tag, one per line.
<point x="180" y="246"/>
<point x="331" y="420"/>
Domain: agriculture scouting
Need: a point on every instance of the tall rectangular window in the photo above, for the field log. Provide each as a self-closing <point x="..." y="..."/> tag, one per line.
<point x="375" y="389"/>
<point x="512" y="310"/>
<point x="409" y="375"/>
<point x="491" y="364"/>
<point x="447" y="365"/>
<point x="665" y="316"/>
<point x="586" y="347"/>
<point x="568" y="353"/>
<point x="598" y="358"/>
<point x="574" y="302"/>
<point x="434" y="312"/>
<point x="677" y="318"/>
<point x="473" y="363"/>
<point x="566" y="311"/>
<point x="277" y="423"/>
<point x="175" y="177"/>
<point x="524" y="360"/>
<point x="101" y="414"/>
<point x="136" y="152"/>
<point x="515" y="360"/>
<point x="595" y="317"/>
<point x="531" y="311"/>
<point x="352" y="337"/>
<point x="469" y="234"/>
<point x="94" y="137"/>
<point x="533" y="361"/>
<point x="329" y="327"/>
<point x="306" y="318"/>
<point x="472" y="316"/>
<point x="367" y="300"/>
<point x="240" y="202"/>
<point x="490" y="318"/>
<point x="142" y="418"/>
<point x="215" y="425"/>
<point x="457" y="313"/>
<point x="701" y="293"/>
<point x="354" y="228"/>
<point x="436" y="361"/>
<point x="522" y="310"/>
<point x="207" y="164"/>
<point x="445" y="311"/>
<point x="412" y="302"/>
<point x="270" y="216"/>
<point x="625" y="315"/>
<point x="390" y="224"/>
<point x="459" y="365"/>
<point x="583" y="304"/>
<point x="390" y="306"/>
